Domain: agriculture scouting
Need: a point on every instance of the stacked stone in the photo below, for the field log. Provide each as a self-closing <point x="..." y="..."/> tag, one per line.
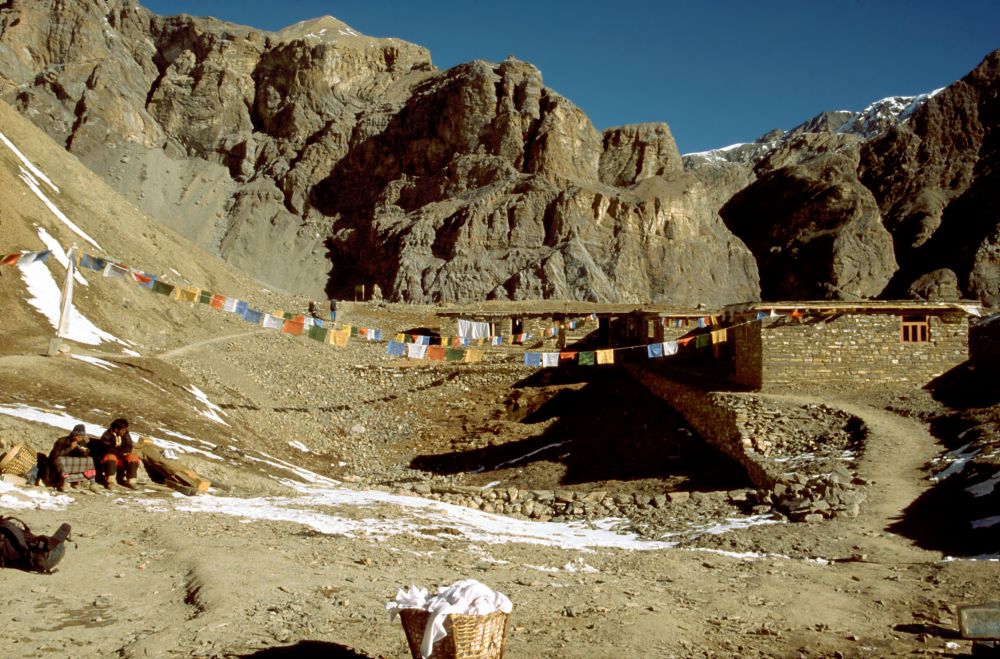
<point x="543" y="505"/>
<point x="803" y="498"/>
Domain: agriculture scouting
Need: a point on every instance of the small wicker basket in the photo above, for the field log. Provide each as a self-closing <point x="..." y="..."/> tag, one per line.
<point x="18" y="461"/>
<point x="469" y="636"/>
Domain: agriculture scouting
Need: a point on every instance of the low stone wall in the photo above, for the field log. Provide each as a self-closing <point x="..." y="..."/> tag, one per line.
<point x="542" y="505"/>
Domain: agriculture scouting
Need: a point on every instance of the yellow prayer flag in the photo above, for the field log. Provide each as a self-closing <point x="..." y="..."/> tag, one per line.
<point x="473" y="356"/>
<point x="341" y="337"/>
<point x="605" y="356"/>
<point x="719" y="336"/>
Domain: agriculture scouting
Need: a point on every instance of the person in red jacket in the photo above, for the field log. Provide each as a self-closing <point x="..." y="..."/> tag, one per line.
<point x="114" y="457"/>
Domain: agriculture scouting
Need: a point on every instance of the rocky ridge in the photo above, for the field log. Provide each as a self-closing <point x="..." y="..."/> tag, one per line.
<point x="317" y="158"/>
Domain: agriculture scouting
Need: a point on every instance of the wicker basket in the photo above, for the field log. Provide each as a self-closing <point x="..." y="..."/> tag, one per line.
<point x="469" y="636"/>
<point x="18" y="461"/>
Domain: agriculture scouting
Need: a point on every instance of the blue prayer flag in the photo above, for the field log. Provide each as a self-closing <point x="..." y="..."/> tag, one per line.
<point x="532" y="359"/>
<point x="654" y="350"/>
<point x="396" y="349"/>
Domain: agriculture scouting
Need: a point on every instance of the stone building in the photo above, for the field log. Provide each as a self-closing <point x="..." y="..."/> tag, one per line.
<point x="847" y="343"/>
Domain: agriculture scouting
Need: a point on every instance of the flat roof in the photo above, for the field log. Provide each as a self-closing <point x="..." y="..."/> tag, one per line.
<point x="547" y="308"/>
<point x="970" y="307"/>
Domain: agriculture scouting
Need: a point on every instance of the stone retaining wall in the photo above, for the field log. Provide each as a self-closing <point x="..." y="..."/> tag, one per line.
<point x="761" y="440"/>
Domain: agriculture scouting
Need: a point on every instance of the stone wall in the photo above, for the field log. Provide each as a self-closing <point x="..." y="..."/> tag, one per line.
<point x="856" y="349"/>
<point x="717" y="423"/>
<point x="792" y="453"/>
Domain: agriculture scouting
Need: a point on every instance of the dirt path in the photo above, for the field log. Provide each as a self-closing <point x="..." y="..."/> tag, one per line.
<point x="896" y="453"/>
<point x="176" y="352"/>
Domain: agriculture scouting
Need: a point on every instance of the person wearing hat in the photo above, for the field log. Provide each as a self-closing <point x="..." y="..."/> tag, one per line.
<point x="70" y="459"/>
<point x="114" y="457"/>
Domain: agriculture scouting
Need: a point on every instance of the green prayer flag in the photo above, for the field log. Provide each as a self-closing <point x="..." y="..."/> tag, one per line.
<point x="317" y="333"/>
<point x="454" y="355"/>
<point x="161" y="288"/>
<point x="586" y="358"/>
<point x="702" y="340"/>
<point x="205" y="297"/>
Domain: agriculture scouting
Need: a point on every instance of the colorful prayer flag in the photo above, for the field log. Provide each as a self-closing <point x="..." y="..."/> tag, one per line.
<point x="318" y="333"/>
<point x="141" y="278"/>
<point x="341" y="337"/>
<point x="273" y="322"/>
<point x="161" y="287"/>
<point x="293" y="328"/>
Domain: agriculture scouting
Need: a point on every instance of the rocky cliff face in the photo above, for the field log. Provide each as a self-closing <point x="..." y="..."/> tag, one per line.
<point x="317" y="158"/>
<point x="928" y="164"/>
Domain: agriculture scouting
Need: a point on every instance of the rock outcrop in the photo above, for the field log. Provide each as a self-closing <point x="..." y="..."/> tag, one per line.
<point x="928" y="161"/>
<point x="816" y="232"/>
<point x="316" y="158"/>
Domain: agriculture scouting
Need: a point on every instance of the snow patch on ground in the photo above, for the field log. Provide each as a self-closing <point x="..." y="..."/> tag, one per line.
<point x="59" y="254"/>
<point x="96" y="361"/>
<point x="214" y="412"/>
<point x="44" y="297"/>
<point x="28" y="164"/>
<point x="15" y="498"/>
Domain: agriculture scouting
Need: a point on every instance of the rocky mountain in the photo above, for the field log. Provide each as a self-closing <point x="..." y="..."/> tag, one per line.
<point x="923" y="165"/>
<point x="317" y="158"/>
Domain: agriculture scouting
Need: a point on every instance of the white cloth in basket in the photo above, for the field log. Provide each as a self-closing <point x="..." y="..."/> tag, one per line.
<point x="467" y="597"/>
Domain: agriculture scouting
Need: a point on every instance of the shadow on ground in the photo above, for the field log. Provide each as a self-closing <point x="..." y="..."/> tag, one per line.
<point x="950" y="519"/>
<point x="595" y="424"/>
<point x="310" y="649"/>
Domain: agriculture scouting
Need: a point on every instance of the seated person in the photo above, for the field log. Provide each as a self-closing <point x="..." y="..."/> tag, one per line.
<point x="114" y="457"/>
<point x="69" y="459"/>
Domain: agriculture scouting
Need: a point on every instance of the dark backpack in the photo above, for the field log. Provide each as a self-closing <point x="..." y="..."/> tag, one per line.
<point x="22" y="549"/>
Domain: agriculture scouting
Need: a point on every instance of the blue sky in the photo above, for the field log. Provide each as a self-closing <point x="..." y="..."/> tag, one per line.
<point x="718" y="72"/>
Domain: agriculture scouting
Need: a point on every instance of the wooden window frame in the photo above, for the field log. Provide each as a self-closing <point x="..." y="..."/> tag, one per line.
<point x="914" y="329"/>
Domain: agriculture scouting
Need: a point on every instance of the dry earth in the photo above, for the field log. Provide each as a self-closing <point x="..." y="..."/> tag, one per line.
<point x="151" y="580"/>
